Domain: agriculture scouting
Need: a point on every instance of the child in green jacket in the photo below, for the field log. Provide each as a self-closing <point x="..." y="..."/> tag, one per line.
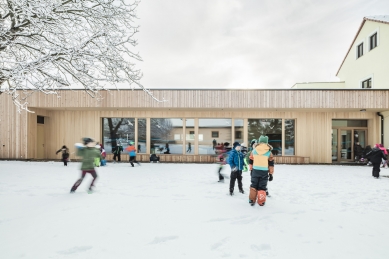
<point x="88" y="152"/>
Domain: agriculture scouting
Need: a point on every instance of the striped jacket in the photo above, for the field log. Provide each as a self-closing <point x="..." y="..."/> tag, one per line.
<point x="261" y="156"/>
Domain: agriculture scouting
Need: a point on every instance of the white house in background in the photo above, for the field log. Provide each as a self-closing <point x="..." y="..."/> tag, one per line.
<point x="366" y="64"/>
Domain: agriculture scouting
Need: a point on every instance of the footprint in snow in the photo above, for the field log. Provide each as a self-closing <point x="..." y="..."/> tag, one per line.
<point x="261" y="247"/>
<point x="76" y="249"/>
<point x="158" y="240"/>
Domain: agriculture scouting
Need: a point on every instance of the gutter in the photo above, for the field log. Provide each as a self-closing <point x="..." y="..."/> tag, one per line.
<point x="382" y="127"/>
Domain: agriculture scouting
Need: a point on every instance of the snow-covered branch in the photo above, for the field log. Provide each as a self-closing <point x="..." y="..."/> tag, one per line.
<point x="46" y="45"/>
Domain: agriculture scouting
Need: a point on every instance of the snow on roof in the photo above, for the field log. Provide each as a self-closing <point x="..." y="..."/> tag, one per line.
<point x="380" y="18"/>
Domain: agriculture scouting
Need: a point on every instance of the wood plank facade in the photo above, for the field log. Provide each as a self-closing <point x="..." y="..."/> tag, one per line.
<point x="73" y="114"/>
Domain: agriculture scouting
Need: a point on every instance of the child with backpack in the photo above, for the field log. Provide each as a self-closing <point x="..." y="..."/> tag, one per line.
<point x="262" y="169"/>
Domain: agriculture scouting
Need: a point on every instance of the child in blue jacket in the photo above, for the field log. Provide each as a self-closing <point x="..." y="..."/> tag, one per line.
<point x="236" y="162"/>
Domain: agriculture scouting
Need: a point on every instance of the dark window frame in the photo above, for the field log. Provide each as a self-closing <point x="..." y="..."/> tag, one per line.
<point x="238" y="134"/>
<point x="368" y="83"/>
<point x="360" y="50"/>
<point x="214" y="135"/>
<point x="373" y="41"/>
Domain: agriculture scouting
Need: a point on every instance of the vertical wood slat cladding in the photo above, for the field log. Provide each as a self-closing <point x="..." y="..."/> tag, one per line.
<point x="313" y="129"/>
<point x="13" y="130"/>
<point x="223" y="99"/>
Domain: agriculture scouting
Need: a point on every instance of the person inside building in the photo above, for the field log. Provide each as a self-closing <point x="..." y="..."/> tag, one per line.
<point x="358" y="150"/>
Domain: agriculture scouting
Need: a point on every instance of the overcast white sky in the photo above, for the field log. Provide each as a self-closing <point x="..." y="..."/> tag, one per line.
<point x="246" y="43"/>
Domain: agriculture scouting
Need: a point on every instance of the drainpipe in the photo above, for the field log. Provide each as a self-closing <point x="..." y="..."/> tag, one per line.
<point x="382" y="127"/>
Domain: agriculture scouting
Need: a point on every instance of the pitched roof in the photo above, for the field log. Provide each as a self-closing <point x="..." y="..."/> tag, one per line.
<point x="373" y="18"/>
<point x="378" y="18"/>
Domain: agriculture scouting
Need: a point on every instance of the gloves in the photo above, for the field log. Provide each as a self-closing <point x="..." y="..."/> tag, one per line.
<point x="234" y="169"/>
<point x="270" y="177"/>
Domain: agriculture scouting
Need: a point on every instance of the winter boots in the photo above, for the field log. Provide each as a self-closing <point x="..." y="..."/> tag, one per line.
<point x="257" y="196"/>
<point x="252" y="196"/>
<point x="261" y="197"/>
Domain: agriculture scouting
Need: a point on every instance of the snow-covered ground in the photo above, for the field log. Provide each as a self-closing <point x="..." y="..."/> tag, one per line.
<point x="181" y="211"/>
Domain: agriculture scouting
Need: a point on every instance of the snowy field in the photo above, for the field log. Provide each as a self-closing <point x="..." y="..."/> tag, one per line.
<point x="181" y="211"/>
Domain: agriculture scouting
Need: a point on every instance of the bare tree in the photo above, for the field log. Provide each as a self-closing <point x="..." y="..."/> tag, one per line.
<point x="47" y="45"/>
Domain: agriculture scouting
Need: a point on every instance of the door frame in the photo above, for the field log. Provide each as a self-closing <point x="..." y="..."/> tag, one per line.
<point x="353" y="129"/>
<point x="40" y="151"/>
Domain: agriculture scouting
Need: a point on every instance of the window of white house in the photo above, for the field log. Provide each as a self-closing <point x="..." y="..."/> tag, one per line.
<point x="366" y="83"/>
<point x="215" y="134"/>
<point x="373" y="41"/>
<point x="360" y="50"/>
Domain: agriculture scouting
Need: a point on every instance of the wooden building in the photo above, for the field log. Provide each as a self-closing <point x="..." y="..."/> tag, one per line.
<point x="307" y="126"/>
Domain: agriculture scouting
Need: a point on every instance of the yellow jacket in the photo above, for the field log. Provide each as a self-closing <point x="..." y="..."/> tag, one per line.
<point x="261" y="156"/>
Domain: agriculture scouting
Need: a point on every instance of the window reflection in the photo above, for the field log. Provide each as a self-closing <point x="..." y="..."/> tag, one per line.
<point x="289" y="137"/>
<point x="212" y="132"/>
<point x="190" y="136"/>
<point x="239" y="130"/>
<point x="142" y="127"/>
<point x="166" y="135"/>
<point x="267" y="127"/>
<point x="117" y="131"/>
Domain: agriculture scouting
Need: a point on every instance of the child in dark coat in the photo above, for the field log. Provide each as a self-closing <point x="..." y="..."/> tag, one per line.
<point x="65" y="154"/>
<point x="375" y="156"/>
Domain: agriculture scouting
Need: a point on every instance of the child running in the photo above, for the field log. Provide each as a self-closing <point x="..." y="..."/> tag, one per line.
<point x="88" y="152"/>
<point x="132" y="153"/>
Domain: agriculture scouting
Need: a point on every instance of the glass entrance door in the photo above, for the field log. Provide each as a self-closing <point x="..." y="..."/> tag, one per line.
<point x="334" y="145"/>
<point x="346" y="139"/>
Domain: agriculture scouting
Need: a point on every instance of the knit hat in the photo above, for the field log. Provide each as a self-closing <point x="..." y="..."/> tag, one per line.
<point x="132" y="143"/>
<point x="87" y="140"/>
<point x="236" y="144"/>
<point x="263" y="139"/>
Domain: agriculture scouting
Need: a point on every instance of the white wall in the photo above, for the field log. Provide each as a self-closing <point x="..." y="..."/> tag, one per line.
<point x="373" y="63"/>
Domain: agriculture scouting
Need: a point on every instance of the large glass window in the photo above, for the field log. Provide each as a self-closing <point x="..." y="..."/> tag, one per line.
<point x="117" y="131"/>
<point x="239" y="131"/>
<point x="142" y="127"/>
<point x="267" y="127"/>
<point x="166" y="135"/>
<point x="289" y="137"/>
<point x="190" y="136"/>
<point x="207" y="136"/>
